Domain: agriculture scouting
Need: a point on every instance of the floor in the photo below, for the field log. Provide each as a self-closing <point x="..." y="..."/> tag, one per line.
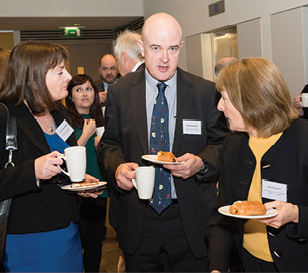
<point x="110" y="250"/>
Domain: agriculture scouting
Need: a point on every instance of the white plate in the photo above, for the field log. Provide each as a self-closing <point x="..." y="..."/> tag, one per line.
<point x="70" y="188"/>
<point x="153" y="159"/>
<point x="225" y="211"/>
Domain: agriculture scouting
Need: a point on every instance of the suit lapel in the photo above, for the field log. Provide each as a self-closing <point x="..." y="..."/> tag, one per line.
<point x="185" y="96"/>
<point x="27" y="123"/>
<point x="59" y="116"/>
<point x="138" y="103"/>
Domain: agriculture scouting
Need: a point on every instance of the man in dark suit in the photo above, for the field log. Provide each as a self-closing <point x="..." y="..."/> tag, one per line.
<point x="127" y="52"/>
<point x="172" y="239"/>
<point x="129" y="59"/>
<point x="109" y="73"/>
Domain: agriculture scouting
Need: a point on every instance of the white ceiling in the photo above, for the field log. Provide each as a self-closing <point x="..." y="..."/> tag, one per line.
<point x="52" y="23"/>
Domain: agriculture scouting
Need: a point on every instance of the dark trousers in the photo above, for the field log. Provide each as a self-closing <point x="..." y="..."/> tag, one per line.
<point x="163" y="245"/>
<point x="92" y="231"/>
<point x="253" y="264"/>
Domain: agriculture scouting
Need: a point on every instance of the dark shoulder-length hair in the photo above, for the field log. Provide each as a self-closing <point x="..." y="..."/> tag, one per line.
<point x="259" y="92"/>
<point x="25" y="76"/>
<point x="95" y="109"/>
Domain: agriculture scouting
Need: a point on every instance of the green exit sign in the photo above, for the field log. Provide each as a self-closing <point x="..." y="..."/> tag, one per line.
<point x="71" y="32"/>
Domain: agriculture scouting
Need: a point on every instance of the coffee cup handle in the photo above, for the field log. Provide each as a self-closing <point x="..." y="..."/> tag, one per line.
<point x="64" y="159"/>
<point x="134" y="181"/>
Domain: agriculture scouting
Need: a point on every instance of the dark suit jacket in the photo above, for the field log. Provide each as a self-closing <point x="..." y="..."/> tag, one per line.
<point x="126" y="140"/>
<point x="100" y="86"/>
<point x="305" y="109"/>
<point x="285" y="162"/>
<point x="114" y="194"/>
<point x="35" y="209"/>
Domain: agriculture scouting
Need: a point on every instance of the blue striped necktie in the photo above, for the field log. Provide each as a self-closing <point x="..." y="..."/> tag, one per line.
<point x="159" y="141"/>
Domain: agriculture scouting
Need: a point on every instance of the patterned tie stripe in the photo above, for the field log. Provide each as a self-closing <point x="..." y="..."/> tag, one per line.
<point x="159" y="141"/>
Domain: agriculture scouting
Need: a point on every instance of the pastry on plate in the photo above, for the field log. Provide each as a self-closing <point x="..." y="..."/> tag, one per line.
<point x="84" y="184"/>
<point x="247" y="208"/>
<point x="166" y="156"/>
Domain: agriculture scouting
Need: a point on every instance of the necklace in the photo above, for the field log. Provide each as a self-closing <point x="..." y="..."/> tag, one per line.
<point x="46" y="122"/>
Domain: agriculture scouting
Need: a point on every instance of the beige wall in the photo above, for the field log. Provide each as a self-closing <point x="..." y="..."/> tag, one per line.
<point x="74" y="8"/>
<point x="194" y="19"/>
<point x="7" y="40"/>
<point x="254" y="20"/>
<point x="87" y="54"/>
<point x="192" y="15"/>
<point x="289" y="31"/>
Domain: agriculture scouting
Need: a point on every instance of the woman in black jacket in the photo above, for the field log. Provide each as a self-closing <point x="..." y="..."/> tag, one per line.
<point x="266" y="161"/>
<point x="43" y="232"/>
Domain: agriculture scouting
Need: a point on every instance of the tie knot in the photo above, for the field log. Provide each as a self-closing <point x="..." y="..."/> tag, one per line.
<point x="161" y="86"/>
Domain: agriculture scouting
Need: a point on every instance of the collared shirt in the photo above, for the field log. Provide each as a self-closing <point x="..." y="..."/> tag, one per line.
<point x="171" y="96"/>
<point x="105" y="85"/>
<point x="137" y="65"/>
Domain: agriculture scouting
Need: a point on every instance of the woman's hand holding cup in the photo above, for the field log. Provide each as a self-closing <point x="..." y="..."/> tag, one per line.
<point x="46" y="166"/>
<point x="89" y="127"/>
<point x="76" y="161"/>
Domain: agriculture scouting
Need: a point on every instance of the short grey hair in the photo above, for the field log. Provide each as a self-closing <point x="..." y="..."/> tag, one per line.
<point x="127" y="42"/>
<point x="223" y="63"/>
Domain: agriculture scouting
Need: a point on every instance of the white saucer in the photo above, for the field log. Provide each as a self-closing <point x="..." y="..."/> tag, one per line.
<point x="225" y="211"/>
<point x="72" y="188"/>
<point x="153" y="159"/>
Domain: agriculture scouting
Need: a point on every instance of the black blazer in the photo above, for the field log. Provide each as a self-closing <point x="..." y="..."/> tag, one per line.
<point x="35" y="209"/>
<point x="305" y="109"/>
<point x="126" y="140"/>
<point x="285" y="162"/>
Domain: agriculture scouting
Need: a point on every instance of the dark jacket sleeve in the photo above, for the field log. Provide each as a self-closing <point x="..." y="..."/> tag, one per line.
<point x="21" y="183"/>
<point x="305" y="116"/>
<point x="109" y="151"/>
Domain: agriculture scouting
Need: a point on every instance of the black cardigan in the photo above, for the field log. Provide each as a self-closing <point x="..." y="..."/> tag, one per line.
<point x="285" y="162"/>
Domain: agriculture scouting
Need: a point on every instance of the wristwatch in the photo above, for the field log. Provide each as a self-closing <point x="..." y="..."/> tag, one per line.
<point x="202" y="171"/>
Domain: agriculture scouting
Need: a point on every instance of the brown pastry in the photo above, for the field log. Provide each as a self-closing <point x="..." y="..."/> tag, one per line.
<point x="247" y="208"/>
<point x="84" y="184"/>
<point x="166" y="156"/>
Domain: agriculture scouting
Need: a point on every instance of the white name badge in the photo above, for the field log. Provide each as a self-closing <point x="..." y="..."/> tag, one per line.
<point x="274" y="190"/>
<point x="64" y="130"/>
<point x="192" y="127"/>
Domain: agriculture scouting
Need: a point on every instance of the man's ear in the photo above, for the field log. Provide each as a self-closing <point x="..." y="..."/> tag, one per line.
<point x="141" y="46"/>
<point x="124" y="57"/>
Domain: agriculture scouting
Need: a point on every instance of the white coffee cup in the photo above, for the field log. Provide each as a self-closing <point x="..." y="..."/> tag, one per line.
<point x="144" y="182"/>
<point x="304" y="101"/>
<point x="75" y="158"/>
<point x="100" y="131"/>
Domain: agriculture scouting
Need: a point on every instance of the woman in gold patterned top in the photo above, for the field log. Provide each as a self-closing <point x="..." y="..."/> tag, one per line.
<point x="266" y="160"/>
